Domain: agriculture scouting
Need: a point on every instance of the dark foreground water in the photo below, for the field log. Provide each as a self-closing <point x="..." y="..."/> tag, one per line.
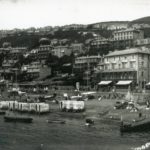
<point x="73" y="135"/>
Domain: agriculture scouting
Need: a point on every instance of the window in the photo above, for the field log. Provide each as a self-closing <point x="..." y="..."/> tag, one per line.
<point x="131" y="64"/>
<point x="107" y="66"/>
<point x="142" y="73"/>
<point x="119" y="66"/>
<point x="132" y="56"/>
<point x="113" y="66"/>
<point x="123" y="65"/>
<point x="142" y="64"/>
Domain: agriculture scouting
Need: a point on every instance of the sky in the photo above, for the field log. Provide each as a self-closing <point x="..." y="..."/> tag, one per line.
<point x="40" y="13"/>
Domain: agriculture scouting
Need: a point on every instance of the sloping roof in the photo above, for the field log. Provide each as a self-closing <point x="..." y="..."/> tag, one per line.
<point x="129" y="51"/>
<point x="148" y="84"/>
<point x="127" y="30"/>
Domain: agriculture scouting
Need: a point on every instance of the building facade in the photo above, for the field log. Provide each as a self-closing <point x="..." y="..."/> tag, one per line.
<point x="100" y="45"/>
<point x="86" y="63"/>
<point x="31" y="70"/>
<point x="77" y="48"/>
<point x="60" y="51"/>
<point x="142" y="42"/>
<point x="126" y="38"/>
<point x="44" y="51"/>
<point x="130" y="64"/>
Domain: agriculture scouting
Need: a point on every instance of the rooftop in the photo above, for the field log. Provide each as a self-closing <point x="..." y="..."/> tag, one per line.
<point x="129" y="51"/>
<point x="127" y="30"/>
<point x="84" y="57"/>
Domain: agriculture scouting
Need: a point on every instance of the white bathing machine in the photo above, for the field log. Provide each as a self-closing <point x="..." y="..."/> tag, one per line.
<point x="43" y="108"/>
<point x="25" y="107"/>
<point x="39" y="107"/>
<point x="4" y="105"/>
<point x="72" y="105"/>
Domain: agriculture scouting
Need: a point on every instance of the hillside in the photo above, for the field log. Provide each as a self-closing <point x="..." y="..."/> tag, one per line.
<point x="111" y="22"/>
<point x="144" y="20"/>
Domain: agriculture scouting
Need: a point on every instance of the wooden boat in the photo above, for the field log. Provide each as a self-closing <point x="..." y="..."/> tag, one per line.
<point x="141" y="124"/>
<point x="17" y="118"/>
<point x="71" y="115"/>
<point x="57" y="121"/>
<point x="89" y="122"/>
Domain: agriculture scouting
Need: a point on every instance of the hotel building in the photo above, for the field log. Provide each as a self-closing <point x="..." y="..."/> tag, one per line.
<point x="126" y="38"/>
<point x="129" y="66"/>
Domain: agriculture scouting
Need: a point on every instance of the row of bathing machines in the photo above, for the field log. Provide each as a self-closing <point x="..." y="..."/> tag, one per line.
<point x="25" y="107"/>
<point x="64" y="105"/>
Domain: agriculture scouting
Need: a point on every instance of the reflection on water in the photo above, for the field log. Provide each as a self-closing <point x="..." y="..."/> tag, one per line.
<point x="73" y="135"/>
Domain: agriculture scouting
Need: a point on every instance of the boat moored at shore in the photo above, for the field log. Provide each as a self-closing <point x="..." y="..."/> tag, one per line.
<point x="139" y="125"/>
<point x="17" y="118"/>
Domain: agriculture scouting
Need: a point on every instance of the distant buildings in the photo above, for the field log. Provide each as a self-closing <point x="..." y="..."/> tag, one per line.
<point x="101" y="44"/>
<point x="35" y="70"/>
<point x="60" y="51"/>
<point x="128" y="34"/>
<point x="126" y="38"/>
<point x="7" y="69"/>
<point x="74" y="26"/>
<point x="126" y="63"/>
<point x="12" y="55"/>
<point x="44" y="51"/>
<point x="111" y="25"/>
<point x="16" y="52"/>
<point x="86" y="63"/>
<point x="77" y="48"/>
<point x="142" y="42"/>
<point x="32" y="67"/>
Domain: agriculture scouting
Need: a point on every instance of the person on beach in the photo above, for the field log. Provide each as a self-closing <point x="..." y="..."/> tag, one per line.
<point x="99" y="98"/>
<point x="148" y="104"/>
<point x="140" y="115"/>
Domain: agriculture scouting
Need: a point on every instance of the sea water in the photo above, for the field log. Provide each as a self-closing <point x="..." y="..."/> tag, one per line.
<point x="73" y="135"/>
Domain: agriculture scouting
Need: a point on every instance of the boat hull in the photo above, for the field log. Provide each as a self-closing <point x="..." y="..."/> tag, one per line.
<point x="56" y="121"/>
<point x="18" y="119"/>
<point x="136" y="127"/>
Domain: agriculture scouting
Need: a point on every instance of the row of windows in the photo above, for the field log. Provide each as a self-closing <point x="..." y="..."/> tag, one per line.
<point x="121" y="57"/>
<point x="123" y="33"/>
<point x="123" y="65"/>
<point x="123" y="38"/>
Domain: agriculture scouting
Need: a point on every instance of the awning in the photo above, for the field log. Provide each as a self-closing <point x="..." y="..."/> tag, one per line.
<point x="104" y="82"/>
<point x="148" y="83"/>
<point x="124" y="82"/>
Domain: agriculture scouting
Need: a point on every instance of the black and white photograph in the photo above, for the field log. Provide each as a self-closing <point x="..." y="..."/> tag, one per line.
<point x="74" y="74"/>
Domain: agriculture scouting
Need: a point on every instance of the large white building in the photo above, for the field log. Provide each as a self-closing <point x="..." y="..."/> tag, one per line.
<point x="126" y="38"/>
<point x="128" y="34"/>
<point x="127" y="65"/>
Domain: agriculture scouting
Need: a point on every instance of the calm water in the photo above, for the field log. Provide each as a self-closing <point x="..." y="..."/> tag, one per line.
<point x="70" y="136"/>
